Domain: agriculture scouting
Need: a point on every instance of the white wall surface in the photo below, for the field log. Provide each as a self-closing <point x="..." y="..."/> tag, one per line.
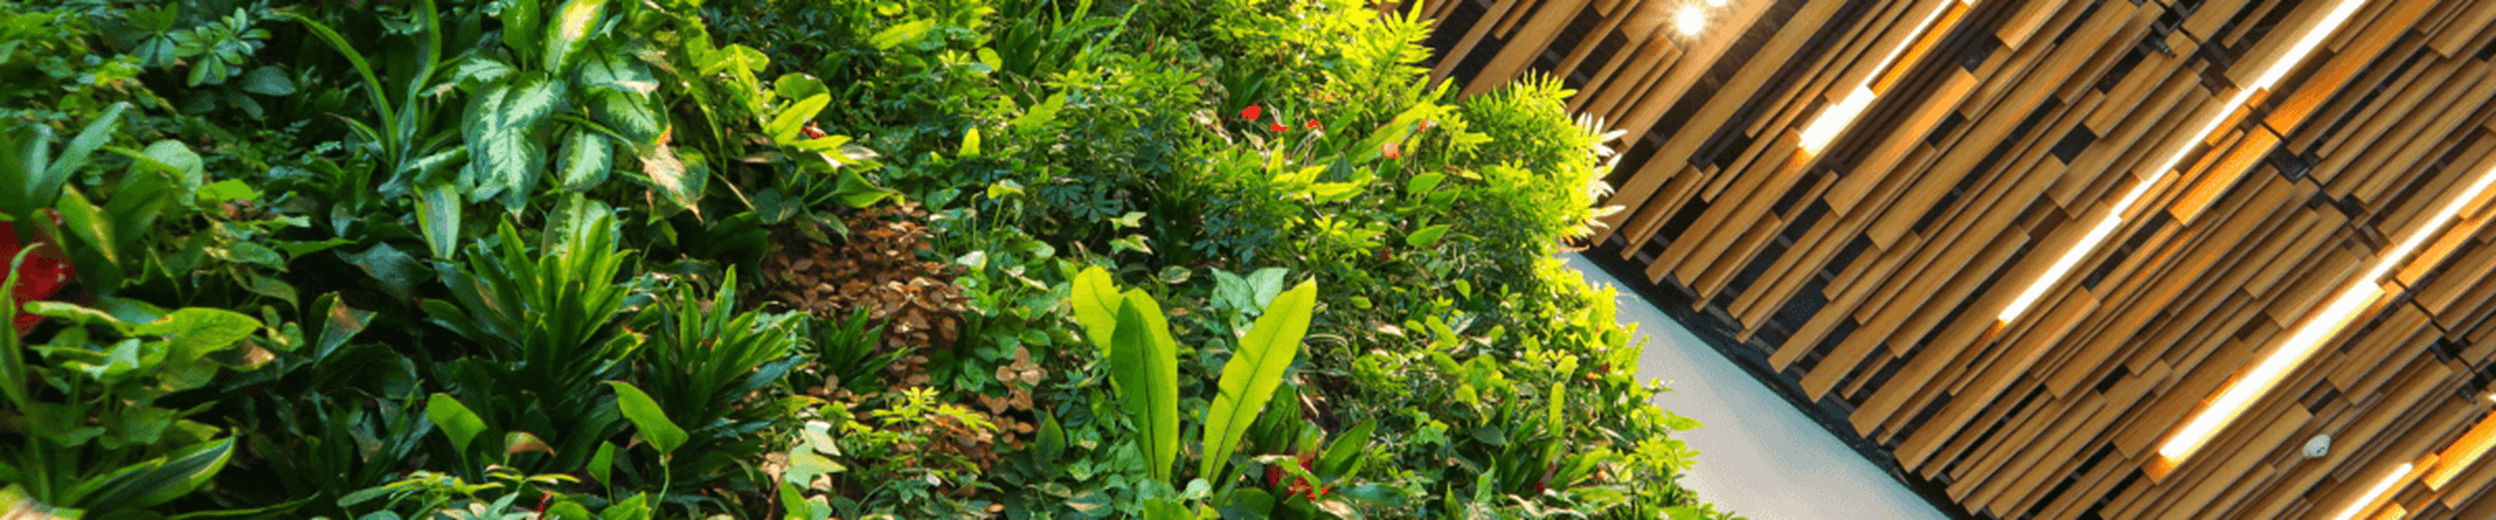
<point x="1758" y="456"/>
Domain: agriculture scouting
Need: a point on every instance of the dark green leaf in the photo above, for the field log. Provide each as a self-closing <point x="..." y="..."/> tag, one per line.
<point x="438" y="214"/>
<point x="397" y="272"/>
<point x="646" y="414"/>
<point x="268" y="81"/>
<point x="455" y="420"/>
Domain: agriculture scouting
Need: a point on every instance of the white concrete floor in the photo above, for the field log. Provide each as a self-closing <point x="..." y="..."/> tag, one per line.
<point x="1758" y="456"/>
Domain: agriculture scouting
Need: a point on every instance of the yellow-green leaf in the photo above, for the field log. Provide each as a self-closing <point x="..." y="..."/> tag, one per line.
<point x="1144" y="365"/>
<point x="1253" y="373"/>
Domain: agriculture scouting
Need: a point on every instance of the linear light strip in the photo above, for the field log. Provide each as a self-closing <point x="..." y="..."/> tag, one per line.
<point x="2097" y="236"/>
<point x="2462" y="453"/>
<point x="2378" y="491"/>
<point x="2310" y="336"/>
<point x="1837" y="118"/>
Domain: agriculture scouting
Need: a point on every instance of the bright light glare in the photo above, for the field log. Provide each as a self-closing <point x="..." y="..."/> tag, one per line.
<point x="2343" y="308"/>
<point x="2062" y="266"/>
<point x="1715" y="3"/>
<point x="1826" y="127"/>
<point x="2266" y="375"/>
<point x="2372" y="494"/>
<point x="1828" y="124"/>
<point x="1692" y="20"/>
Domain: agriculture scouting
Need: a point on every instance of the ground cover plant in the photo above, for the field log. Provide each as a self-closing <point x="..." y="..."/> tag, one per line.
<point x="799" y="259"/>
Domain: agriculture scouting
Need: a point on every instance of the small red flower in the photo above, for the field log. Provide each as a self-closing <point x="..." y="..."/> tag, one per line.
<point x="44" y="272"/>
<point x="1251" y="112"/>
<point x="1278" y="127"/>
<point x="1313" y="124"/>
<point x="812" y="131"/>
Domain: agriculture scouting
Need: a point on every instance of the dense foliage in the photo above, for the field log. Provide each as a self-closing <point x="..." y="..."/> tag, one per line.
<point x="775" y="259"/>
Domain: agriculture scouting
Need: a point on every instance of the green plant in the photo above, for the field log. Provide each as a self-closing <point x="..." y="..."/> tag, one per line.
<point x="547" y="329"/>
<point x="703" y="360"/>
<point x="1250" y="378"/>
<point x="98" y="434"/>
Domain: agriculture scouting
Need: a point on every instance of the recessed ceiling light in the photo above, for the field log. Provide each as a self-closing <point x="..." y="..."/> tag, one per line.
<point x="1692" y="20"/>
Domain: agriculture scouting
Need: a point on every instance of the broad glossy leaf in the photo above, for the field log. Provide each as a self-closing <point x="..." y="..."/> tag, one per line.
<point x="1253" y="373"/>
<point x="567" y="32"/>
<point x="679" y="180"/>
<point x="159" y="480"/>
<point x="438" y="208"/>
<point x="519" y="442"/>
<point x="646" y="414"/>
<point x="854" y="190"/>
<point x="628" y="115"/>
<point x="397" y="272"/>
<point x="784" y="127"/>
<point x="636" y="507"/>
<point x="1096" y="301"/>
<point x="1426" y="236"/>
<point x="798" y="85"/>
<point x="196" y="331"/>
<point x="603" y="462"/>
<point x="521" y="20"/>
<point x="615" y="71"/>
<point x="1144" y="364"/>
<point x="1344" y="456"/>
<point x="586" y="160"/>
<point x="268" y="81"/>
<point x="504" y="153"/>
<point x="455" y="420"/>
<point x="898" y="34"/>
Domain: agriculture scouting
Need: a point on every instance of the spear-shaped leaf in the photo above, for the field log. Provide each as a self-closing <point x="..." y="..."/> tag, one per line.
<point x="1253" y="373"/>
<point x="1144" y="364"/>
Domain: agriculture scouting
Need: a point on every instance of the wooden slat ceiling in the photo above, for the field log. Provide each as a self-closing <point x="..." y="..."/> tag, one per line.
<point x="1872" y="272"/>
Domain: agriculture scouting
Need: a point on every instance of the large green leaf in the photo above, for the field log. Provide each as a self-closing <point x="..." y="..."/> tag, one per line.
<point x="437" y="212"/>
<point x="455" y="420"/>
<point x="505" y="152"/>
<point x="1253" y="373"/>
<point x="645" y="413"/>
<point x="568" y="32"/>
<point x="158" y="480"/>
<point x="586" y="160"/>
<point x="1143" y="363"/>
<point x="628" y="115"/>
<point x="40" y="188"/>
<point x="1096" y="302"/>
<point x="197" y="331"/>
<point x="785" y="126"/>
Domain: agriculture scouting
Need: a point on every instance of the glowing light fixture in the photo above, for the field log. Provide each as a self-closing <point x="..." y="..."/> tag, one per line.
<point x="1692" y="20"/>
<point x="2062" y="267"/>
<point x="2372" y="494"/>
<point x="2462" y="453"/>
<point x="1715" y="3"/>
<point x="2310" y="336"/>
<point x="1829" y="123"/>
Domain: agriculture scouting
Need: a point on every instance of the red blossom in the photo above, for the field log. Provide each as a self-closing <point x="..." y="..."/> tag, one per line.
<point x="1251" y="112"/>
<point x="1278" y="127"/>
<point x="1313" y="124"/>
<point x="43" y="273"/>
